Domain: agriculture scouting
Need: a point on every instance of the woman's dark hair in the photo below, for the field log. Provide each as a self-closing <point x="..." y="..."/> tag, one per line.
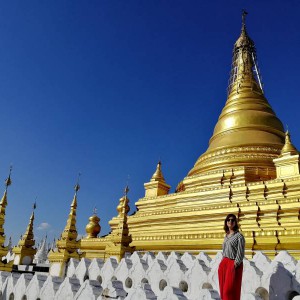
<point x="236" y="226"/>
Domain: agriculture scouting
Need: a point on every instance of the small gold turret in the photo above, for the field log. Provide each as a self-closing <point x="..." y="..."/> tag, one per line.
<point x="25" y="251"/>
<point x="67" y="245"/>
<point x="93" y="227"/>
<point x="69" y="235"/>
<point x="157" y="185"/>
<point x="288" y="148"/>
<point x="287" y="164"/>
<point x="157" y="175"/>
<point x="119" y="239"/>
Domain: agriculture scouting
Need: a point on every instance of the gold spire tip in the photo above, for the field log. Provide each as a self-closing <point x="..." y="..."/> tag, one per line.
<point x="8" y="180"/>
<point x="244" y="14"/>
<point x="126" y="190"/>
<point x="77" y="186"/>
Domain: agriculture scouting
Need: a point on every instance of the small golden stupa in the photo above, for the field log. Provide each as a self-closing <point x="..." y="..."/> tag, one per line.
<point x="67" y="245"/>
<point x="93" y="228"/>
<point x="25" y="250"/>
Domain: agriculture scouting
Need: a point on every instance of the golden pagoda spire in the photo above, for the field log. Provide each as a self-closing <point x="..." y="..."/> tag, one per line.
<point x="248" y="133"/>
<point x="157" y="185"/>
<point x="67" y="245"/>
<point x="4" y="249"/>
<point x="158" y="176"/>
<point x="3" y="204"/>
<point x="69" y="235"/>
<point x="119" y="239"/>
<point x="288" y="162"/>
<point x="25" y="251"/>
<point x="288" y="147"/>
<point x="28" y="237"/>
<point x="244" y="72"/>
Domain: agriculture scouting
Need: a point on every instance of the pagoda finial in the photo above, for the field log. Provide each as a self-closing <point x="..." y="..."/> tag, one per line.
<point x="245" y="72"/>
<point x="67" y="244"/>
<point x="3" y="204"/>
<point x="3" y="201"/>
<point x="119" y="238"/>
<point x="68" y="237"/>
<point x="93" y="227"/>
<point x="25" y="250"/>
<point x="288" y="147"/>
<point x="126" y="191"/>
<point x="34" y="204"/>
<point x="77" y="186"/>
<point x="8" y="180"/>
<point x="123" y="207"/>
<point x="244" y="14"/>
<point x="158" y="176"/>
<point x="157" y="185"/>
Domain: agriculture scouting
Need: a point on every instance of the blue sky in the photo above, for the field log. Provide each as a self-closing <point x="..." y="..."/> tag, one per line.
<point x="106" y="88"/>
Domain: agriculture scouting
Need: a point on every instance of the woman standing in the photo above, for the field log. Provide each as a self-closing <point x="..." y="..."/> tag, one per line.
<point x="231" y="267"/>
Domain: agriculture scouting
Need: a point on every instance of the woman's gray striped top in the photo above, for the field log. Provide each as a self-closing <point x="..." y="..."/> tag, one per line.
<point x="234" y="247"/>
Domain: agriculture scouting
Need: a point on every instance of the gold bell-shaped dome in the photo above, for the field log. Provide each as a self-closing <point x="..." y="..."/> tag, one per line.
<point x="248" y="133"/>
<point x="93" y="228"/>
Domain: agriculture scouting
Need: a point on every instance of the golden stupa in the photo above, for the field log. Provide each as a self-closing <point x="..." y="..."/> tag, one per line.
<point x="251" y="169"/>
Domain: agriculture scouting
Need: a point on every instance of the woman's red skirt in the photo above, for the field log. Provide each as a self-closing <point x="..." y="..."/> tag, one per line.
<point x="230" y="279"/>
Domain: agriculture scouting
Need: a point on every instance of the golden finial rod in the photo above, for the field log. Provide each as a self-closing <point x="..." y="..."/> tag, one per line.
<point x="34" y="204"/>
<point x="244" y="14"/>
<point x="126" y="191"/>
<point x="8" y="180"/>
<point x="77" y="186"/>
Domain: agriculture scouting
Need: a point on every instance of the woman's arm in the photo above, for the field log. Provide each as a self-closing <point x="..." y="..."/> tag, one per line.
<point x="240" y="251"/>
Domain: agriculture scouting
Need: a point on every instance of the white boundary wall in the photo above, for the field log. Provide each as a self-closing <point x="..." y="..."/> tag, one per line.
<point x="160" y="277"/>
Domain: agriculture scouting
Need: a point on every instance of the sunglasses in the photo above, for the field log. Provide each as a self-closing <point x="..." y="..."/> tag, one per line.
<point x="231" y="220"/>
